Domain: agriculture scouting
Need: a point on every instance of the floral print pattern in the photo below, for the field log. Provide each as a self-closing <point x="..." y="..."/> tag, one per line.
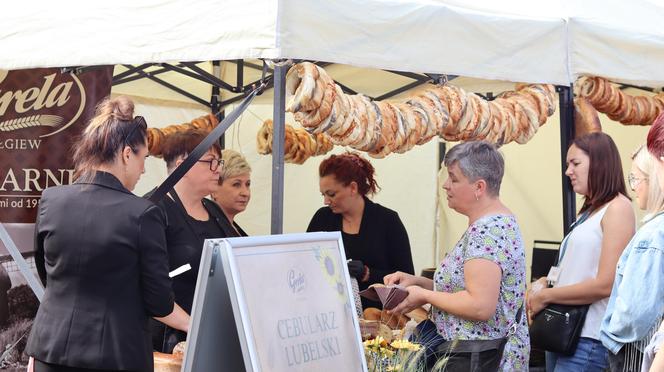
<point x="496" y="238"/>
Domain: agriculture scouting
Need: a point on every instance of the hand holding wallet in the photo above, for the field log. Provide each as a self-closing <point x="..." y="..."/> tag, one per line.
<point x="389" y="295"/>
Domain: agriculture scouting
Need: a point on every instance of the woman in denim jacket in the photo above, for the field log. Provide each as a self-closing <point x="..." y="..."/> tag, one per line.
<point x="637" y="299"/>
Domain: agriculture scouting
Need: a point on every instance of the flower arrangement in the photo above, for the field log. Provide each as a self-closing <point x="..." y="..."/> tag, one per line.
<point x="397" y="356"/>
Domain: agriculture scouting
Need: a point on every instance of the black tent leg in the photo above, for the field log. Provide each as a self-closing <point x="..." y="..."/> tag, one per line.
<point x="566" y="137"/>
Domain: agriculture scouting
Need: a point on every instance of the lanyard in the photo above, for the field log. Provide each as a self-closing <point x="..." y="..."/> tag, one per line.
<point x="584" y="216"/>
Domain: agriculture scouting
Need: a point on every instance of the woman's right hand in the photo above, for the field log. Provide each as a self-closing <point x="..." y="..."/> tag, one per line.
<point x="401" y="278"/>
<point x="533" y="289"/>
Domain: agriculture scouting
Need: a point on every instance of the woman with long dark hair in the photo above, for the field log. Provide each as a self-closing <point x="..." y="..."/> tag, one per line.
<point x="589" y="253"/>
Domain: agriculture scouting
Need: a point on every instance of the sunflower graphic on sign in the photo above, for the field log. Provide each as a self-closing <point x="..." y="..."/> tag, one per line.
<point x="332" y="272"/>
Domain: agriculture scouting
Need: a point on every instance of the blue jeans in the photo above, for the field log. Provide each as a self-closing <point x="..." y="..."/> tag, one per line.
<point x="590" y="356"/>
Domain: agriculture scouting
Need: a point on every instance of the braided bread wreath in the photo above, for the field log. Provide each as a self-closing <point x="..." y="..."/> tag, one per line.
<point x="298" y="145"/>
<point x="617" y="105"/>
<point x="156" y="136"/>
<point x="381" y="127"/>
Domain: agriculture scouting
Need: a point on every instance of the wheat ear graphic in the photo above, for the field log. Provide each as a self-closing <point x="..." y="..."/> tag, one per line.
<point x="31" y="121"/>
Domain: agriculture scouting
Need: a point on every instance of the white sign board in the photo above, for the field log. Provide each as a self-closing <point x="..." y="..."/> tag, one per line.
<point x="293" y="301"/>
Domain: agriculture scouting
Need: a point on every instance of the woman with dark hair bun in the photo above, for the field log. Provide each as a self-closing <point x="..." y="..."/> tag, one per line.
<point x="374" y="237"/>
<point x="101" y="253"/>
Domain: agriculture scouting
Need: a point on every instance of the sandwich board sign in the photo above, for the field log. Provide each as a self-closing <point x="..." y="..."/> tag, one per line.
<point x="272" y="304"/>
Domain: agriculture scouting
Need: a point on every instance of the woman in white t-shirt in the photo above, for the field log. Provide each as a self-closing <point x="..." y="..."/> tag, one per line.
<point x="589" y="253"/>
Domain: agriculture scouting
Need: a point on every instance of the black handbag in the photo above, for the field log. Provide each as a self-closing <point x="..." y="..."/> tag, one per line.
<point x="557" y="328"/>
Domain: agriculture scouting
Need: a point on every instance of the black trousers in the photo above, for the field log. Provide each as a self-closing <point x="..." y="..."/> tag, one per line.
<point x="47" y="367"/>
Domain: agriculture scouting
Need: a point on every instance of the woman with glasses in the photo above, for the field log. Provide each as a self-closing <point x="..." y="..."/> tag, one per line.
<point x="375" y="240"/>
<point x="234" y="190"/>
<point x="636" y="306"/>
<point x="192" y="218"/>
<point x="101" y="253"/>
<point x="590" y="251"/>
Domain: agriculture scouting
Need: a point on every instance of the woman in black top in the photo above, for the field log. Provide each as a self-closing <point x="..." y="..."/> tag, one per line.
<point x="374" y="238"/>
<point x="191" y="219"/>
<point x="101" y="253"/>
<point x="234" y="190"/>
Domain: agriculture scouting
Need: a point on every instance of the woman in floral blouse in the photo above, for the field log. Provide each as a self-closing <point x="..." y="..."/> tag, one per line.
<point x="478" y="289"/>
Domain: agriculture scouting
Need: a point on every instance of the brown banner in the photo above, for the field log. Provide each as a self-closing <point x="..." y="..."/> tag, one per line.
<point x="42" y="112"/>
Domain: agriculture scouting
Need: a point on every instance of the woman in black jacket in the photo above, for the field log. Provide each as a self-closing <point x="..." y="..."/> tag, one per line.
<point x="101" y="254"/>
<point x="374" y="238"/>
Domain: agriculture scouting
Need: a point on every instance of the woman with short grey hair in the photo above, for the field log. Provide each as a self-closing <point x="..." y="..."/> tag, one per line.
<point x="478" y="160"/>
<point x="477" y="294"/>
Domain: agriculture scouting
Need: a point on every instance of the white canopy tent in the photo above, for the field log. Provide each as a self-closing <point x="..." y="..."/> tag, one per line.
<point x="518" y="40"/>
<point x="619" y="40"/>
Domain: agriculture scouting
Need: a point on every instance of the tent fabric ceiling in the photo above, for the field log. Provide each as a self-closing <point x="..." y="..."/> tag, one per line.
<point x="516" y="40"/>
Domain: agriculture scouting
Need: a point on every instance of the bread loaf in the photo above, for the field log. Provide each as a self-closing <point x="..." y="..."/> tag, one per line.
<point x="393" y="321"/>
<point x="167" y="362"/>
<point x="586" y="119"/>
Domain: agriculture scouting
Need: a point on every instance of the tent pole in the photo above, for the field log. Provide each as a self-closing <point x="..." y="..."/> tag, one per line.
<point x="215" y="100"/>
<point x="566" y="100"/>
<point x="278" y="135"/>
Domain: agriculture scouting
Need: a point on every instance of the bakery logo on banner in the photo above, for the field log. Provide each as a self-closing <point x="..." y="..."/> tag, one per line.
<point x="41" y="105"/>
<point x="296" y="281"/>
<point x="42" y="112"/>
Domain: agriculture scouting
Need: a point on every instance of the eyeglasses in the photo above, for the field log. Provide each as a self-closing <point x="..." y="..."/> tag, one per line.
<point x="635" y="181"/>
<point x="214" y="163"/>
<point x="138" y="122"/>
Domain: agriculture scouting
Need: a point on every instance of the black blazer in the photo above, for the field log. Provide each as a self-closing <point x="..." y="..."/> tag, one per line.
<point x="382" y="242"/>
<point x="101" y="253"/>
